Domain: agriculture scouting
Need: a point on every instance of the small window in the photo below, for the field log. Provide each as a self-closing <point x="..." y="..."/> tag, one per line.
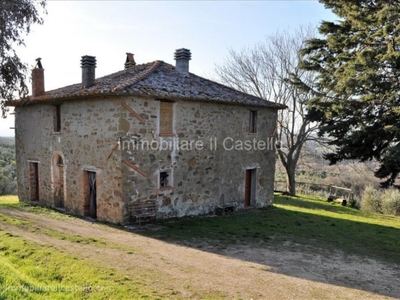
<point x="57" y="118"/>
<point x="166" y="118"/>
<point x="253" y="121"/>
<point x="165" y="179"/>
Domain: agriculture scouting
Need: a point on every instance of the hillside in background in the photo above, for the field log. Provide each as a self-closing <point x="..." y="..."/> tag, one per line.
<point x="8" y="172"/>
<point x="314" y="170"/>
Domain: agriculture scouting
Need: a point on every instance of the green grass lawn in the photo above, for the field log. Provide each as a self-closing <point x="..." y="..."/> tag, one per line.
<point x="10" y="201"/>
<point x="31" y="271"/>
<point x="304" y="220"/>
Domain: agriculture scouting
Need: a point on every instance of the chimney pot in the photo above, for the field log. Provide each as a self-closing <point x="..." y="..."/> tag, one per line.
<point x="130" y="60"/>
<point x="88" y="65"/>
<point x="182" y="57"/>
<point x="38" y="79"/>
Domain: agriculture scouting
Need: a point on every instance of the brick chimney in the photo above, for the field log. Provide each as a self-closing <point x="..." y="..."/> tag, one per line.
<point x="38" y="79"/>
<point x="88" y="65"/>
<point x="130" y="61"/>
<point x="182" y="57"/>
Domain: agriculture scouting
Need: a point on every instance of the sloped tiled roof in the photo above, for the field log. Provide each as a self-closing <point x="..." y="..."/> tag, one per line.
<point x="156" y="79"/>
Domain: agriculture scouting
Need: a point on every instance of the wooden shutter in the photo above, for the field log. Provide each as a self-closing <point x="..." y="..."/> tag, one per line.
<point x="166" y="118"/>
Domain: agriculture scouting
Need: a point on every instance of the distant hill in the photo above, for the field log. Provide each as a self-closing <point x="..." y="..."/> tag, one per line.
<point x="7" y="140"/>
<point x="8" y="172"/>
<point x="314" y="169"/>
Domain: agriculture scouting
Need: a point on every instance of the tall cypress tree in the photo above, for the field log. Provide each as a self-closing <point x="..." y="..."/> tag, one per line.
<point x="357" y="94"/>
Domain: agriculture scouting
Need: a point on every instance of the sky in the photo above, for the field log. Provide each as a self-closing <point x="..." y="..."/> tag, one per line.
<point x="153" y="30"/>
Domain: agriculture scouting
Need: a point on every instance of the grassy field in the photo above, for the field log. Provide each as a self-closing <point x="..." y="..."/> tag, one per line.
<point x="31" y="271"/>
<point x="305" y="220"/>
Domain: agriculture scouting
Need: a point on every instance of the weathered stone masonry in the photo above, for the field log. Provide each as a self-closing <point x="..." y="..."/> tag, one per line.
<point x="110" y="149"/>
<point x="204" y="176"/>
<point x="89" y="129"/>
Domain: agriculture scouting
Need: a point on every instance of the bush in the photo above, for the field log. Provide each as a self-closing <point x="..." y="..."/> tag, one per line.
<point x="371" y="200"/>
<point x="391" y="202"/>
<point x="353" y="202"/>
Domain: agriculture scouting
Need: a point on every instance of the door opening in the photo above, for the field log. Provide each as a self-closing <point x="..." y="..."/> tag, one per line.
<point x="34" y="181"/>
<point x="90" y="206"/>
<point x="250" y="187"/>
<point x="58" y="182"/>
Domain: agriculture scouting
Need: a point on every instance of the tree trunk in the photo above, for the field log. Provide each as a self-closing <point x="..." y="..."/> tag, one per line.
<point x="291" y="180"/>
<point x="290" y="167"/>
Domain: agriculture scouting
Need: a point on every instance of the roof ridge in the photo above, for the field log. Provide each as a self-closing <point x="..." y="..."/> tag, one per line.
<point x="142" y="75"/>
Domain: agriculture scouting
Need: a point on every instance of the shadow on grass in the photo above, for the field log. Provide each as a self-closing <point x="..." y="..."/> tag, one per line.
<point x="301" y="238"/>
<point x="317" y="204"/>
<point x="315" y="234"/>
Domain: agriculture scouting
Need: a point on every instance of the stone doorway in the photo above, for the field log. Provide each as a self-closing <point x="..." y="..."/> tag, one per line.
<point x="58" y="178"/>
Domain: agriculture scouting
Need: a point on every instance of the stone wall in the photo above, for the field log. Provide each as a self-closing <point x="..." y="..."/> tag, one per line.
<point x="204" y="169"/>
<point x="88" y="133"/>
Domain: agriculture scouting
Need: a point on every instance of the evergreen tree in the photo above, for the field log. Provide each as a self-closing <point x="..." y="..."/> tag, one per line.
<point x="16" y="18"/>
<point x="356" y="98"/>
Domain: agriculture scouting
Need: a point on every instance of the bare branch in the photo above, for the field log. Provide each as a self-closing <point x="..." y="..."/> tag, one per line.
<point x="265" y="71"/>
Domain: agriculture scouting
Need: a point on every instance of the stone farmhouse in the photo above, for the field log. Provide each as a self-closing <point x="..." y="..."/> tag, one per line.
<point x="152" y="131"/>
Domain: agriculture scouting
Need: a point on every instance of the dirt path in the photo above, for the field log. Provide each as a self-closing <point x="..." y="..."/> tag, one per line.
<point x="239" y="272"/>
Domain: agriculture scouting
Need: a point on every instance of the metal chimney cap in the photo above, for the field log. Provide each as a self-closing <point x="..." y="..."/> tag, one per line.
<point x="182" y="53"/>
<point x="88" y="64"/>
<point x="38" y="63"/>
<point x="88" y="61"/>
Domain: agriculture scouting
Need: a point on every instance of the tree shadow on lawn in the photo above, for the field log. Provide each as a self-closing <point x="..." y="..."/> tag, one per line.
<point x="317" y="204"/>
<point x="325" y="248"/>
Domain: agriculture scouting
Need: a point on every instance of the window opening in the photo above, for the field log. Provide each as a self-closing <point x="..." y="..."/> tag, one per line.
<point x="253" y="121"/>
<point x="57" y="118"/>
<point x="164" y="179"/>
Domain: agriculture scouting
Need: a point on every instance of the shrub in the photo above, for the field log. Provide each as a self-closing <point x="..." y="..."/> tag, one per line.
<point x="391" y="202"/>
<point x="371" y="200"/>
<point x="354" y="202"/>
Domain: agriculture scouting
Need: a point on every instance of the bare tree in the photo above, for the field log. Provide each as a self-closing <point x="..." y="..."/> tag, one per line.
<point x="265" y="71"/>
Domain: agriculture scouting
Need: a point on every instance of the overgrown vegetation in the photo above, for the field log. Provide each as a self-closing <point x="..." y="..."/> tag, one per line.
<point x="386" y="202"/>
<point x="318" y="175"/>
<point x="391" y="202"/>
<point x="8" y="172"/>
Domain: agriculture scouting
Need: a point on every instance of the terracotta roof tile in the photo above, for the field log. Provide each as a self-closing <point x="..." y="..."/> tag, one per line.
<point x="157" y="79"/>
